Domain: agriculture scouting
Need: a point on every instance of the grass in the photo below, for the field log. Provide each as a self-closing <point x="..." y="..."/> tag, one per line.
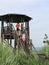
<point x="8" y="57"/>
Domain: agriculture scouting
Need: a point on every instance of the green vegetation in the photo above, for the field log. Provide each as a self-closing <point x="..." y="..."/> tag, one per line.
<point x="8" y="57"/>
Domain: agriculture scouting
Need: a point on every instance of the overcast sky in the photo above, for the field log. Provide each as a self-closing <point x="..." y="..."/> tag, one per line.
<point x="37" y="9"/>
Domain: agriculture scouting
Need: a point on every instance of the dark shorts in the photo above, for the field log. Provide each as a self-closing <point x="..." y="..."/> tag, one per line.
<point x="17" y="29"/>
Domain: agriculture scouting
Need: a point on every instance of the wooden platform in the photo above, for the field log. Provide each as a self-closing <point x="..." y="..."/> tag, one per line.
<point x="8" y="37"/>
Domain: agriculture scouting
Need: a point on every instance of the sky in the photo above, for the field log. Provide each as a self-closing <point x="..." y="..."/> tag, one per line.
<point x="37" y="9"/>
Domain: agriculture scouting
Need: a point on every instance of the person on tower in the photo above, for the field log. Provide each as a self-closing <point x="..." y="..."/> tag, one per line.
<point x="17" y="26"/>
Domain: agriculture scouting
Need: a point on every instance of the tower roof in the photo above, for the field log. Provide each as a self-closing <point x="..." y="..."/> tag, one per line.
<point x="15" y="18"/>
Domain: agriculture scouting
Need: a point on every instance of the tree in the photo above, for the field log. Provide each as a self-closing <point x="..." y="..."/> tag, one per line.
<point x="46" y="39"/>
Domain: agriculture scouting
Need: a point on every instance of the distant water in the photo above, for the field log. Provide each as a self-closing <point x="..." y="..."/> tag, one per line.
<point x="38" y="48"/>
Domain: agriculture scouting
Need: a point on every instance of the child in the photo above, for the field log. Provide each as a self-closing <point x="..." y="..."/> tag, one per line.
<point x="23" y="37"/>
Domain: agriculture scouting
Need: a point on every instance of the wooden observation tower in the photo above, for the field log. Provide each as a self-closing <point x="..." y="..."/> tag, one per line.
<point x="9" y="32"/>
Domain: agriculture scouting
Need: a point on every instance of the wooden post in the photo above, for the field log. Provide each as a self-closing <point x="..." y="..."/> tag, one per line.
<point x="10" y="20"/>
<point x="15" y="39"/>
<point x="27" y="27"/>
<point x="2" y="25"/>
<point x="21" y="26"/>
<point x="8" y="41"/>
